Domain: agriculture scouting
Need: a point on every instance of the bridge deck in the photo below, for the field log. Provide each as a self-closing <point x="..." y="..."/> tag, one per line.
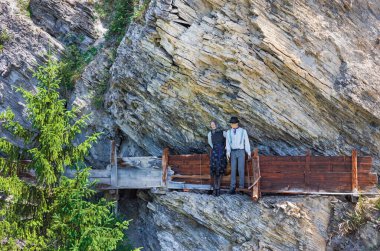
<point x="268" y="174"/>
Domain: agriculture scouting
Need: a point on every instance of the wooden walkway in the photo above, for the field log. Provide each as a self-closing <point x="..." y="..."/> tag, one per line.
<point x="263" y="174"/>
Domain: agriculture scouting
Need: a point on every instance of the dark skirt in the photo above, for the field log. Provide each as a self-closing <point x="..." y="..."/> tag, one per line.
<point x="218" y="160"/>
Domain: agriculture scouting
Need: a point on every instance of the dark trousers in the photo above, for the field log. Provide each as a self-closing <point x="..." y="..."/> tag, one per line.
<point x="237" y="162"/>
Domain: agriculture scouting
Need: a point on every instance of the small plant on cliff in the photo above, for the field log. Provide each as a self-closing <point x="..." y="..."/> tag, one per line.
<point x="73" y="63"/>
<point x="24" y="6"/>
<point x="98" y="99"/>
<point x="4" y="38"/>
<point x="122" y="13"/>
<point x="50" y="211"/>
<point x="140" y="11"/>
<point x="356" y="218"/>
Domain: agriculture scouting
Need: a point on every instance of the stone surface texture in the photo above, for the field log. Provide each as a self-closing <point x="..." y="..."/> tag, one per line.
<point x="50" y="26"/>
<point x="26" y="48"/>
<point x="299" y="74"/>
<point x="191" y="221"/>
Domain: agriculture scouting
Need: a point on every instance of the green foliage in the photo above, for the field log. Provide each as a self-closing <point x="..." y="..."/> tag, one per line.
<point x="24" y="6"/>
<point x="123" y="13"/>
<point x="51" y="212"/>
<point x="121" y="18"/>
<point x="79" y="224"/>
<point x="4" y="38"/>
<point x="98" y="99"/>
<point x="358" y="217"/>
<point x="140" y="11"/>
<point x="73" y="63"/>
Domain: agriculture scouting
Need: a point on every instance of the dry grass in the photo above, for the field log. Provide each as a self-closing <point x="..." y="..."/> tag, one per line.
<point x="359" y="216"/>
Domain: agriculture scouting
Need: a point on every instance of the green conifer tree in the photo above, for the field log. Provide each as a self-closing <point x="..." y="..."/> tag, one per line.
<point x="50" y="212"/>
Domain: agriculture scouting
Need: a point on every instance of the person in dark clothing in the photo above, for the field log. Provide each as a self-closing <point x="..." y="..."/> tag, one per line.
<point x="218" y="159"/>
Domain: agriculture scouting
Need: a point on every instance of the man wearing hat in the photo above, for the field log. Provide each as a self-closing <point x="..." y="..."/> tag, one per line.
<point x="237" y="144"/>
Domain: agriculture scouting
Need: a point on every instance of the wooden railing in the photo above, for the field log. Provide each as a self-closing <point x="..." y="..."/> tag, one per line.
<point x="268" y="174"/>
<point x="284" y="174"/>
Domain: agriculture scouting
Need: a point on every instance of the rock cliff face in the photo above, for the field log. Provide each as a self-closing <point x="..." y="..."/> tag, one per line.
<point x="300" y="75"/>
<point x="70" y="21"/>
<point x="27" y="46"/>
<point x="50" y="26"/>
<point x="189" y="221"/>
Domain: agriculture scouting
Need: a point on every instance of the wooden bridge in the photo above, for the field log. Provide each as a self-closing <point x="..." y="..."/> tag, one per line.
<point x="307" y="174"/>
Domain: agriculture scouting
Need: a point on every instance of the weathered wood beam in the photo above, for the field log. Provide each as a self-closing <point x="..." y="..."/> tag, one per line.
<point x="182" y="185"/>
<point x="354" y="171"/>
<point x="307" y="169"/>
<point x="256" y="175"/>
<point x="113" y="164"/>
<point x="165" y="162"/>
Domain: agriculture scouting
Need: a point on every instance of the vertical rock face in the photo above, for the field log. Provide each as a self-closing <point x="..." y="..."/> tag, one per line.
<point x="188" y="221"/>
<point x="69" y="21"/>
<point x="299" y="74"/>
<point x="27" y="46"/>
<point x="50" y="26"/>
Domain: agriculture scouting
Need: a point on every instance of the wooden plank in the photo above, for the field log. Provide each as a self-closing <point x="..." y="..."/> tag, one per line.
<point x="342" y="167"/>
<point x="282" y="168"/>
<point x="296" y="191"/>
<point x="139" y="178"/>
<point x="354" y="171"/>
<point x="365" y="160"/>
<point x="113" y="152"/>
<point x="256" y="194"/>
<point x="264" y="159"/>
<point x="191" y="177"/>
<point x="307" y="170"/>
<point x="364" y="164"/>
<point x="280" y="163"/>
<point x="114" y="177"/>
<point x="101" y="181"/>
<point x="367" y="178"/>
<point x="367" y="181"/>
<point x="332" y="177"/>
<point x="283" y="175"/>
<point x="338" y="159"/>
<point x="191" y="171"/>
<point x="180" y="185"/>
<point x="165" y="162"/>
<point x="270" y="186"/>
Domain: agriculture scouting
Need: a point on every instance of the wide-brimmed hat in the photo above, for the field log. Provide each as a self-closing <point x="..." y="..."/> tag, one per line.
<point x="233" y="120"/>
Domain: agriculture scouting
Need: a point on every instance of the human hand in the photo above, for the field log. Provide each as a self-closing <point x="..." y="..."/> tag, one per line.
<point x="228" y="156"/>
<point x="249" y="157"/>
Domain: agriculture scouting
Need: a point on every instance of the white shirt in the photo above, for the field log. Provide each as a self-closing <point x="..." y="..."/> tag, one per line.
<point x="238" y="141"/>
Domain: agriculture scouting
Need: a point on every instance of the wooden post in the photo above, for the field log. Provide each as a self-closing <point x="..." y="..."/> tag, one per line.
<point x="112" y="153"/>
<point x="354" y="172"/>
<point x="165" y="162"/>
<point x="307" y="170"/>
<point x="113" y="164"/>
<point x="256" y="194"/>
